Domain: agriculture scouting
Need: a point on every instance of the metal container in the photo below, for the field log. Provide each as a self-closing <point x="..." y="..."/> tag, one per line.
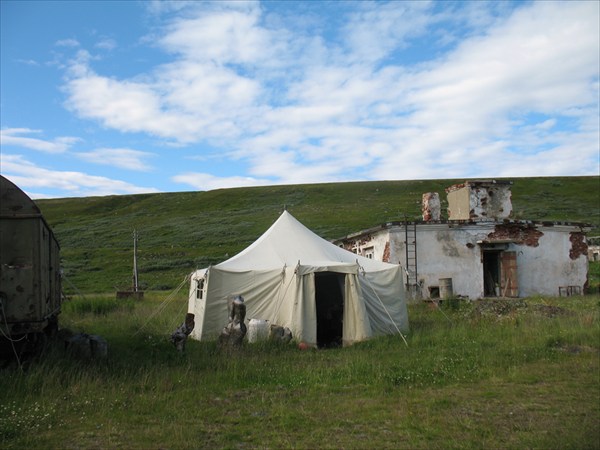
<point x="446" y="288"/>
<point x="30" y="279"/>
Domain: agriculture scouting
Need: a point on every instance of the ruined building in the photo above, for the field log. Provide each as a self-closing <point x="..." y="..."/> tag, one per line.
<point x="479" y="251"/>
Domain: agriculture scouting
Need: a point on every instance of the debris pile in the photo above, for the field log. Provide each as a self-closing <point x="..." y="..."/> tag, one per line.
<point x="87" y="346"/>
<point x="498" y="307"/>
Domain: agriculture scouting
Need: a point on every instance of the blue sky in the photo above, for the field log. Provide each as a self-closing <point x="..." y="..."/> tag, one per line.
<point x="122" y="97"/>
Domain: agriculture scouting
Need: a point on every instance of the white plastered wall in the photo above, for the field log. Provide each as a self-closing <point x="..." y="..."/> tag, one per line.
<point x="453" y="251"/>
<point x="547" y="267"/>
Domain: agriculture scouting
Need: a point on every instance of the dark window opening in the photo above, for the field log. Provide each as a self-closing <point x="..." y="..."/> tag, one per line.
<point x="200" y="289"/>
<point x="329" y="298"/>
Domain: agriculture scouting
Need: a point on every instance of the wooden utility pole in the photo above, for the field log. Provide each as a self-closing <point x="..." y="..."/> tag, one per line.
<point x="135" y="271"/>
<point x="135" y="291"/>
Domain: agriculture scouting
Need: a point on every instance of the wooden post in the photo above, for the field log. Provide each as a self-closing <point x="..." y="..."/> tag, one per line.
<point x="135" y="291"/>
<point x="135" y="271"/>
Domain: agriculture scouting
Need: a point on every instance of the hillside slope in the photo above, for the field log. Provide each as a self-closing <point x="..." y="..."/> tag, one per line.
<point x="183" y="231"/>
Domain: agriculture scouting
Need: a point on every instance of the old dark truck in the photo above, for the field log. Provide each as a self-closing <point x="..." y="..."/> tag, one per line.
<point x="30" y="277"/>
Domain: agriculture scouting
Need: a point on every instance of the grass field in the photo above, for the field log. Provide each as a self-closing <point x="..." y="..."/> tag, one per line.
<point x="515" y="374"/>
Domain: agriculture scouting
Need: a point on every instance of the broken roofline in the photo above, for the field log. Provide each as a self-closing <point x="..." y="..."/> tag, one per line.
<point x="458" y="186"/>
<point x="585" y="227"/>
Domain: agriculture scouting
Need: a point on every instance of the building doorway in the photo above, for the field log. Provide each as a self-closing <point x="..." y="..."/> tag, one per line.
<point x="491" y="273"/>
<point x="509" y="276"/>
<point x="500" y="274"/>
<point x="329" y="298"/>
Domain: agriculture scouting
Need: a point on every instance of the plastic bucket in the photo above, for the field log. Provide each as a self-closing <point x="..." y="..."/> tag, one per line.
<point x="258" y="330"/>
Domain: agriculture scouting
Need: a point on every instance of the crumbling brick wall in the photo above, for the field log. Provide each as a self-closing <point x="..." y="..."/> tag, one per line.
<point x="386" y="252"/>
<point x="352" y="244"/>
<point x="521" y="234"/>
<point x="578" y="245"/>
<point x="430" y="206"/>
<point x="479" y="200"/>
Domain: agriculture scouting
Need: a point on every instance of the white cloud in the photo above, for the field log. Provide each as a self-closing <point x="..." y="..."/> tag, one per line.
<point x="29" y="176"/>
<point x="126" y="106"/>
<point x="229" y="35"/>
<point x="375" y="31"/>
<point x="208" y="92"/>
<point x="28" y="62"/>
<point x="159" y="7"/>
<point x="184" y="102"/>
<point x="67" y="43"/>
<point x="123" y="158"/>
<point x="15" y="137"/>
<point x="106" y="44"/>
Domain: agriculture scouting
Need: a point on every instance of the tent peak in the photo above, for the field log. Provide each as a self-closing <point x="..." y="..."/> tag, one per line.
<point x="287" y="242"/>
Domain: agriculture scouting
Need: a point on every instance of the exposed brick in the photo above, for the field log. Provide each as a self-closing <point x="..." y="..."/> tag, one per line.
<point x="578" y="245"/>
<point x="386" y="252"/>
<point x="521" y="234"/>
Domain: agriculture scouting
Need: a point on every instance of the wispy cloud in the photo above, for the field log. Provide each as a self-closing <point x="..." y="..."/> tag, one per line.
<point x="123" y="158"/>
<point x="20" y="137"/>
<point x="67" y="43"/>
<point x="28" y="62"/>
<point x="159" y="7"/>
<point x="106" y="44"/>
<point x="31" y="177"/>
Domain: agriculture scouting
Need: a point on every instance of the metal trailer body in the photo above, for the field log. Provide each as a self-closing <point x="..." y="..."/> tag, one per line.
<point x="30" y="277"/>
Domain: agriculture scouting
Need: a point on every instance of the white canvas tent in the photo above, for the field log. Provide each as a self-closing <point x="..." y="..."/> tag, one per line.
<point x="291" y="277"/>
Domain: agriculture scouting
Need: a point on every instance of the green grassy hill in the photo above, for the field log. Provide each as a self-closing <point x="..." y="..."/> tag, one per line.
<point x="183" y="231"/>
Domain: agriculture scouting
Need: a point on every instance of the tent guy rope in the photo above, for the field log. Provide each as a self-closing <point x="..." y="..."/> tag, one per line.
<point x="164" y="304"/>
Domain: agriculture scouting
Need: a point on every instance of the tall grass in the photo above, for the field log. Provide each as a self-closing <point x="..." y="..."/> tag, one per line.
<point x="469" y="378"/>
<point x="96" y="305"/>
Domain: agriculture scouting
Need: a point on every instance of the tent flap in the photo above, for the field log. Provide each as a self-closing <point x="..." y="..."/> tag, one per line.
<point x="357" y="326"/>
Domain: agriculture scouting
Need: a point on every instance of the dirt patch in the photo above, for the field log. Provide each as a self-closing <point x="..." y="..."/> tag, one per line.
<point x="551" y="311"/>
<point x="576" y="349"/>
<point x="501" y="307"/>
<point x="498" y="306"/>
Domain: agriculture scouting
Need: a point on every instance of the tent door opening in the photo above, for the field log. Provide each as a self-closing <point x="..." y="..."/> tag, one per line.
<point x="329" y="299"/>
